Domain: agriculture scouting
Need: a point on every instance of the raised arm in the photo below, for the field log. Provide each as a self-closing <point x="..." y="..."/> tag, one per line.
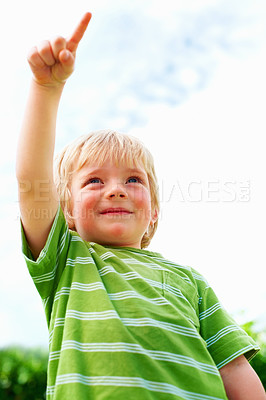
<point x="51" y="64"/>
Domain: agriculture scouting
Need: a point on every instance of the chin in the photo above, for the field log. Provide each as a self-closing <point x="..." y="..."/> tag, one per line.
<point x="117" y="236"/>
<point x="118" y="230"/>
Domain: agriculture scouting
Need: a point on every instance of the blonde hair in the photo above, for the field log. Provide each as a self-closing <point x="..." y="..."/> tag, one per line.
<point x="97" y="147"/>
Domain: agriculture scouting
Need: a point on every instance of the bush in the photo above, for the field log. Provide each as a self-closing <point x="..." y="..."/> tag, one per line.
<point x="23" y="374"/>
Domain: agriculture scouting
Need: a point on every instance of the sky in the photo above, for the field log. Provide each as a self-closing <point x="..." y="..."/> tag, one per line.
<point x="188" y="79"/>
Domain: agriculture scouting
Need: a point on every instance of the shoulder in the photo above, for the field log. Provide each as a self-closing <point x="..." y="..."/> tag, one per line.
<point x="192" y="275"/>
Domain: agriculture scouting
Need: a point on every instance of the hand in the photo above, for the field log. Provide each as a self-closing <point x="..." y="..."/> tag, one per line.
<point x="52" y="62"/>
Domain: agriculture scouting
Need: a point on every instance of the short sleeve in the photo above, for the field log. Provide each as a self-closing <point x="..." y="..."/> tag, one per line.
<point x="47" y="269"/>
<point x="225" y="340"/>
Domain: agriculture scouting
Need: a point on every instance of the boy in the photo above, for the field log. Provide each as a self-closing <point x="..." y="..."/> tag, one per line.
<point x="124" y="323"/>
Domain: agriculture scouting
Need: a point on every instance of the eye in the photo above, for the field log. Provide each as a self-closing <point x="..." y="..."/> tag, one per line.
<point x="134" y="179"/>
<point x="92" y="181"/>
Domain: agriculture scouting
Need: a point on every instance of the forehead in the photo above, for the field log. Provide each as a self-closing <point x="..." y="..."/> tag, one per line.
<point x="109" y="167"/>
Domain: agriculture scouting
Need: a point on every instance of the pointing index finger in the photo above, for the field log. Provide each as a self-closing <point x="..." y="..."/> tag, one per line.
<point x="78" y="33"/>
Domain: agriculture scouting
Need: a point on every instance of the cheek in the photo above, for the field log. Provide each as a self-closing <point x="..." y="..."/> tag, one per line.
<point x="142" y="200"/>
<point x="85" y="201"/>
<point x="89" y="199"/>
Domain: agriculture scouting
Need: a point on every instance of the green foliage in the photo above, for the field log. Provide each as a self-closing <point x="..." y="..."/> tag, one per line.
<point x="259" y="361"/>
<point x="23" y="374"/>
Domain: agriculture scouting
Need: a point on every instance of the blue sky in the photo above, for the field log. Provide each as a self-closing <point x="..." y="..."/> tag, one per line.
<point x="186" y="77"/>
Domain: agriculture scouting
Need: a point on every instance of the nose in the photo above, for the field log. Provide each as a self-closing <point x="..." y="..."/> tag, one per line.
<point x="116" y="191"/>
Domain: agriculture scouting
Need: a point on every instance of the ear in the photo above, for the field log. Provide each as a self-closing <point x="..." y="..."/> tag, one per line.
<point x="69" y="219"/>
<point x="71" y="224"/>
<point x="154" y="215"/>
<point x="68" y="208"/>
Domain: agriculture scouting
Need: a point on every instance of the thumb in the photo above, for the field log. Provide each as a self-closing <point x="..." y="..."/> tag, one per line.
<point x="65" y="67"/>
<point x="66" y="58"/>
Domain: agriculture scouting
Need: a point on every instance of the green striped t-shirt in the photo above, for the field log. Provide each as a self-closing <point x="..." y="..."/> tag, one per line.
<point x="126" y="324"/>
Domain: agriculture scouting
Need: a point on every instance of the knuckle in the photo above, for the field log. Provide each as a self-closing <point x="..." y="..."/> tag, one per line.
<point x="32" y="54"/>
<point x="58" y="44"/>
<point x="43" y="47"/>
<point x="59" y="41"/>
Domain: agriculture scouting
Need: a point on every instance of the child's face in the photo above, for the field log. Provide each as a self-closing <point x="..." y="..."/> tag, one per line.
<point x="111" y="205"/>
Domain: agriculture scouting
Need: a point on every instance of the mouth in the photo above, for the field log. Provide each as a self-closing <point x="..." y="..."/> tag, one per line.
<point x="115" y="211"/>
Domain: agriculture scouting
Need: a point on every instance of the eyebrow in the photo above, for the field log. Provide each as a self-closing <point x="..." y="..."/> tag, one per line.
<point x="85" y="172"/>
<point x="96" y="170"/>
<point x="136" y="170"/>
